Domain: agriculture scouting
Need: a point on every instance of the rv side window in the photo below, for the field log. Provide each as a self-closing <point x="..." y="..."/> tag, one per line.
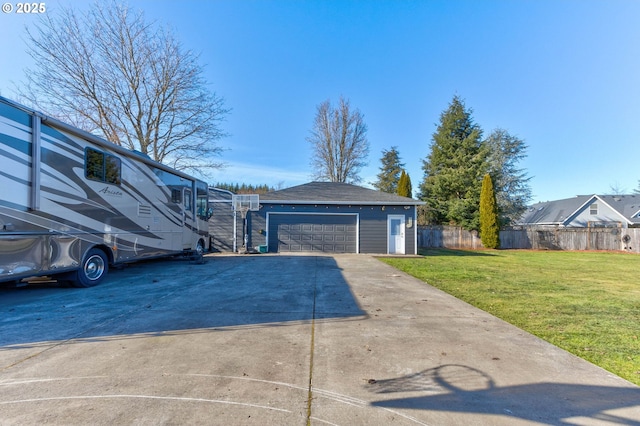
<point x="102" y="167"/>
<point x="94" y="165"/>
<point x="201" y="200"/>
<point x="187" y="200"/>
<point x="176" y="196"/>
<point x="113" y="167"/>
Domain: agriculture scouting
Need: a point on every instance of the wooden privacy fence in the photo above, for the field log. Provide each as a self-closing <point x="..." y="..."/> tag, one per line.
<point x="539" y="238"/>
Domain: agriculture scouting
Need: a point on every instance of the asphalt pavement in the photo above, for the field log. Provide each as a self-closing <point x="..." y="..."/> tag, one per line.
<point x="284" y="340"/>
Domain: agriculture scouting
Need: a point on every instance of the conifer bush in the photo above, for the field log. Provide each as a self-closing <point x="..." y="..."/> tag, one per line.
<point x="489" y="221"/>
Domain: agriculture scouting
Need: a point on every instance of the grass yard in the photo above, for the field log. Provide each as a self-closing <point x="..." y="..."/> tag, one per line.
<point x="584" y="302"/>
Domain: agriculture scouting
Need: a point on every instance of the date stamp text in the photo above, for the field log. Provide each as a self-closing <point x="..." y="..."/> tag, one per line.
<point x="24" y="8"/>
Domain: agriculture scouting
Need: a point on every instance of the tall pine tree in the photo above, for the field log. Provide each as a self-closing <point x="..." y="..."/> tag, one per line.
<point x="510" y="183"/>
<point x="489" y="220"/>
<point x="389" y="171"/>
<point x="404" y="185"/>
<point x="454" y="168"/>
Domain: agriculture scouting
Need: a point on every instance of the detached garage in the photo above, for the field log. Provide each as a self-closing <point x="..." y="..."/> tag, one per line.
<point x="335" y="218"/>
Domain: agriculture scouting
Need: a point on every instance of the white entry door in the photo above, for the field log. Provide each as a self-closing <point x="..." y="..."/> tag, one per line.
<point x="395" y="227"/>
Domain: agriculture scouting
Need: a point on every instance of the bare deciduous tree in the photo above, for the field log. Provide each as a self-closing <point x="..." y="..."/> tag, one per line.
<point x="110" y="72"/>
<point x="617" y="189"/>
<point x="339" y="141"/>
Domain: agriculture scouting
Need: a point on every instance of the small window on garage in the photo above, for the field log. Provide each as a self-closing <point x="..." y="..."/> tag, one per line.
<point x="593" y="209"/>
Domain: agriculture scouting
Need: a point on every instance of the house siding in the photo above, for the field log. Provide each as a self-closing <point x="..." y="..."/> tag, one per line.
<point x="373" y="231"/>
<point x="606" y="214"/>
<point x="372" y="223"/>
<point x="221" y="222"/>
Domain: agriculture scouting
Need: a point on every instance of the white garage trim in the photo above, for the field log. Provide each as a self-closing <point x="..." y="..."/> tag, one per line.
<point x="357" y="215"/>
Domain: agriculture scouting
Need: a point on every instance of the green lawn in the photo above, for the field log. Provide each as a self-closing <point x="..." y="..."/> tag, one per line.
<point x="586" y="303"/>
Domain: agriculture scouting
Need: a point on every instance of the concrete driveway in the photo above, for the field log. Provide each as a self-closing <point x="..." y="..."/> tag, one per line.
<point x="284" y="340"/>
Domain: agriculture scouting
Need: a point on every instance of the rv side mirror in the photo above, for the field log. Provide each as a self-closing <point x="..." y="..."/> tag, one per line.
<point x="209" y="213"/>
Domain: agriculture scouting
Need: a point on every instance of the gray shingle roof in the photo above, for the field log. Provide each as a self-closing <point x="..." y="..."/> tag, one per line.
<point x="555" y="212"/>
<point x="627" y="205"/>
<point x="334" y="193"/>
<point x="552" y="212"/>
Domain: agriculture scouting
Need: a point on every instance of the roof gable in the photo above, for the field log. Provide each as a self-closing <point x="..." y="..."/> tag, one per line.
<point x="334" y="193"/>
<point x="628" y="206"/>
<point x="562" y="212"/>
<point x="552" y="212"/>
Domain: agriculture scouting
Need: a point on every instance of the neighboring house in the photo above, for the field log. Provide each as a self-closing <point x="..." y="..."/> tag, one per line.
<point x="585" y="211"/>
<point x="319" y="217"/>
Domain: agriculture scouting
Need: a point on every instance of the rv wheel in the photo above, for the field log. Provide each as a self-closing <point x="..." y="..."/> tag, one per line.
<point x="200" y="248"/>
<point x="93" y="269"/>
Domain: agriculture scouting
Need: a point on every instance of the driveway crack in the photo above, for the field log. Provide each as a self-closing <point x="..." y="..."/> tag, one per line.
<point x="312" y="345"/>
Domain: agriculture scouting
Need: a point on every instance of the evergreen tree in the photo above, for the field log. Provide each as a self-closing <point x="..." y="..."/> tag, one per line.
<point x="244" y="188"/>
<point x="404" y="185"/>
<point x="637" y="190"/>
<point x="489" y="221"/>
<point x="511" y="184"/>
<point x="389" y="171"/>
<point x="454" y="168"/>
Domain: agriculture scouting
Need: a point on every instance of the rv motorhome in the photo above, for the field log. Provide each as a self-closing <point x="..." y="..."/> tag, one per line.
<point x="72" y="203"/>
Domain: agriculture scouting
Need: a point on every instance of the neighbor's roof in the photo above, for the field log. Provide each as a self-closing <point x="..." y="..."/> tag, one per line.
<point x="334" y="193"/>
<point x="627" y="205"/>
<point x="558" y="211"/>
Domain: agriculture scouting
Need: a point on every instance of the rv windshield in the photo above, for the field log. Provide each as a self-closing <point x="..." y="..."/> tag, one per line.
<point x="202" y="200"/>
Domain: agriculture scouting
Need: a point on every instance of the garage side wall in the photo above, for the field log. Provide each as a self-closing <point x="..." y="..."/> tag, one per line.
<point x="221" y="222"/>
<point x="372" y="223"/>
<point x="374" y="231"/>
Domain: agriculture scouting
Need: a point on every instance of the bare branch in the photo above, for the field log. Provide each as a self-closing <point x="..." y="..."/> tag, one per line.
<point x="110" y="72"/>
<point x="339" y="141"/>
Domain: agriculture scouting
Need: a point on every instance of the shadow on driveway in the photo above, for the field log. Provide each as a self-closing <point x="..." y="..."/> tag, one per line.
<point x="459" y="388"/>
<point x="176" y="295"/>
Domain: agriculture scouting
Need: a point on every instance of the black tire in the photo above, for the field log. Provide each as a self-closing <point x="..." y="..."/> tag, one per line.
<point x="93" y="269"/>
<point x="200" y="248"/>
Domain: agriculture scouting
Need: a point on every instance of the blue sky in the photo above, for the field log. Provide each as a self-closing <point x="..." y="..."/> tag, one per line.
<point x="562" y="75"/>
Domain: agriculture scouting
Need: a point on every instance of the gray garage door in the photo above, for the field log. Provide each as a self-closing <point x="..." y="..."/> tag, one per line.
<point x="309" y="232"/>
